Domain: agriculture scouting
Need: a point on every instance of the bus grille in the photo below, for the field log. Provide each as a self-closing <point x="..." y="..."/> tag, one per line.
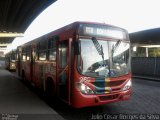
<point x="116" y="83"/>
<point x="109" y="97"/>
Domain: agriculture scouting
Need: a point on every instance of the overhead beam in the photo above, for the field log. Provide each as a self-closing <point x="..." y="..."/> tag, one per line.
<point x="10" y="34"/>
<point x="3" y="45"/>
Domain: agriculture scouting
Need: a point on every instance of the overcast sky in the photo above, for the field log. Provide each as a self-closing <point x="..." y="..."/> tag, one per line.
<point x="133" y="15"/>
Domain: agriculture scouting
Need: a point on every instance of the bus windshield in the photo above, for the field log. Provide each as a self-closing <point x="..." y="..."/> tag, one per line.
<point x="114" y="63"/>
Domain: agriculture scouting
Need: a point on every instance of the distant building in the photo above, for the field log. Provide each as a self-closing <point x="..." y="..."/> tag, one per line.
<point x="146" y="43"/>
<point x="145" y="48"/>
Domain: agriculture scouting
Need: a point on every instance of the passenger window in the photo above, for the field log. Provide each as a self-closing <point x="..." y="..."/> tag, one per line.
<point x="52" y="49"/>
<point x="28" y="49"/>
<point x="23" y="57"/>
<point x="23" y="53"/>
<point x="63" y="54"/>
<point x="52" y="54"/>
<point x="42" y="55"/>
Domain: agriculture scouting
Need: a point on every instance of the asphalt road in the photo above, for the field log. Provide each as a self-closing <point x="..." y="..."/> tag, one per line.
<point x="145" y="101"/>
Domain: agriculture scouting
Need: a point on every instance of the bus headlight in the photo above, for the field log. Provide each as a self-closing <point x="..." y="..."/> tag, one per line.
<point x="12" y="65"/>
<point x="85" y="89"/>
<point x="127" y="86"/>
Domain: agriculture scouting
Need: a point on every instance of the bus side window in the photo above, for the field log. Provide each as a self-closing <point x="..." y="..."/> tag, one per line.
<point x="23" y="53"/>
<point x="28" y="49"/>
<point x="63" y="54"/>
<point x="42" y="54"/>
<point x="52" y="49"/>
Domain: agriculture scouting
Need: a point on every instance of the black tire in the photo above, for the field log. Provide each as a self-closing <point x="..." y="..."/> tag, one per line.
<point x="23" y="76"/>
<point x="50" y="91"/>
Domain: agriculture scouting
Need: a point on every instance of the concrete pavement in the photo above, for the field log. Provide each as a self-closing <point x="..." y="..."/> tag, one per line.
<point x="17" y="99"/>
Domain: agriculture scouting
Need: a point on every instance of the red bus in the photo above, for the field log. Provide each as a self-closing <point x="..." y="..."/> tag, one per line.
<point x="83" y="64"/>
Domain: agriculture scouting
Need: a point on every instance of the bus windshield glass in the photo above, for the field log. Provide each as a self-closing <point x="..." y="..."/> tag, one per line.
<point x="113" y="63"/>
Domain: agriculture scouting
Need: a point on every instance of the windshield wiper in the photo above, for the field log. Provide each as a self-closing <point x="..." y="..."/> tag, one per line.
<point x="98" y="47"/>
<point x="114" y="47"/>
<point x="102" y="54"/>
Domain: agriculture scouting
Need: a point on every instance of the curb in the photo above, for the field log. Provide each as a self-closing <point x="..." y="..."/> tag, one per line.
<point x="147" y="78"/>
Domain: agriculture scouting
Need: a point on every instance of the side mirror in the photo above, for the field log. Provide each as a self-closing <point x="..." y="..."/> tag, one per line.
<point x="77" y="47"/>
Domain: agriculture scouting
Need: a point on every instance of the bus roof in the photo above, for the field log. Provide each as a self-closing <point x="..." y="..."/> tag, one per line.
<point x="70" y="26"/>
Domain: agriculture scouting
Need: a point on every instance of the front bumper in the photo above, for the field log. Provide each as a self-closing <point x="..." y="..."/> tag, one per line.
<point x="80" y="100"/>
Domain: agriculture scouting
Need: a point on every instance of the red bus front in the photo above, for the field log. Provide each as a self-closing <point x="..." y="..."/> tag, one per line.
<point x="101" y="66"/>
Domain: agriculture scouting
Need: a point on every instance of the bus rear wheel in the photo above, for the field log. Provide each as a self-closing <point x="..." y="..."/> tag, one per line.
<point x="23" y="76"/>
<point x="50" y="90"/>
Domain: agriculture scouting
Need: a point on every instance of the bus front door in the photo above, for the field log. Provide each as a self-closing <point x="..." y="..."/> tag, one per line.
<point x="64" y="71"/>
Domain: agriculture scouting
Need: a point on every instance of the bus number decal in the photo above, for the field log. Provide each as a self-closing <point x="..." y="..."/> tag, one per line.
<point x="84" y="79"/>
